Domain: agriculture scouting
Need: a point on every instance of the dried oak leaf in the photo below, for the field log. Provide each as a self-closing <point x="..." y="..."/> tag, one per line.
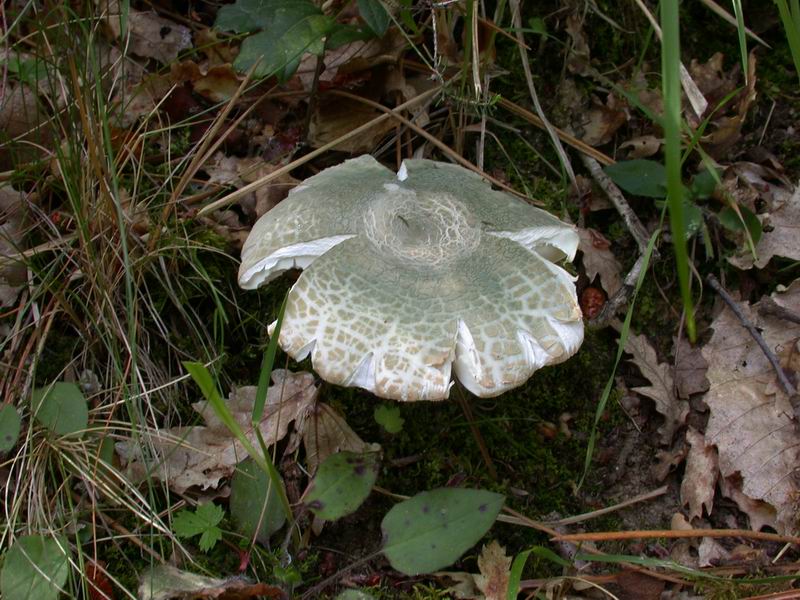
<point x="750" y="418"/>
<point x="494" y="567"/>
<point x="662" y="390"/>
<point x="165" y="582"/>
<point x="690" y="368"/>
<point x="781" y="235"/>
<point x="324" y="432"/>
<point x="202" y="455"/>
<point x="599" y="260"/>
<point x="147" y="34"/>
<point x="13" y="273"/>
<point x="700" y="477"/>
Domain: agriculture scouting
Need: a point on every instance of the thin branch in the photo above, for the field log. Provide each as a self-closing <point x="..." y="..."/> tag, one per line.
<point x="614" y="194"/>
<point x="773" y="360"/>
<point x="620" y="298"/>
<point x="604" y="536"/>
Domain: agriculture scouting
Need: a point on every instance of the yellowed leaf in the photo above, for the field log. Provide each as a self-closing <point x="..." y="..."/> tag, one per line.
<point x="700" y="476"/>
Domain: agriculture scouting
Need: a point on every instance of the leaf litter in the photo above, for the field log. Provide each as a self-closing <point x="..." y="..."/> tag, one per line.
<point x="202" y="455"/>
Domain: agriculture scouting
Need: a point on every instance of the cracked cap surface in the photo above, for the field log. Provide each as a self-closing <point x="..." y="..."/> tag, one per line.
<point x="411" y="276"/>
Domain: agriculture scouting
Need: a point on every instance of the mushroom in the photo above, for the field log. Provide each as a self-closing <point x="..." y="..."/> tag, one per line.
<point x="410" y="276"/>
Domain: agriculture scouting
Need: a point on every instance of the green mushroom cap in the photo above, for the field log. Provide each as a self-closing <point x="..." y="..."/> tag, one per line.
<point x="411" y="276"/>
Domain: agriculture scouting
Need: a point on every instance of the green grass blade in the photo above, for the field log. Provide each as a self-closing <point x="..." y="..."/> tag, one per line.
<point x="266" y="366"/>
<point x="623" y="338"/>
<point x="670" y="69"/>
<point x="515" y="575"/>
<point x="208" y="387"/>
<point x="790" y="18"/>
<point x="742" y="33"/>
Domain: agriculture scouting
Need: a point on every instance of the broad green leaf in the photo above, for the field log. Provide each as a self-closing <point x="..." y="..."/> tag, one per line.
<point x="10" y="424"/>
<point x="248" y="492"/>
<point x="61" y="407"/>
<point x="34" y="567"/>
<point x="703" y="185"/>
<point x="343" y="481"/>
<point x="202" y="522"/>
<point x="640" y="177"/>
<point x="433" y="529"/>
<point x="389" y="418"/>
<point x="374" y="15"/>
<point x="730" y="220"/>
<point x="288" y="30"/>
<point x="340" y="35"/>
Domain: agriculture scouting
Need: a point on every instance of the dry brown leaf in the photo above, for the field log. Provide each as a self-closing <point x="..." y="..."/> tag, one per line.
<point x="599" y="260"/>
<point x="325" y="432"/>
<point x="332" y="120"/>
<point x="599" y="124"/>
<point x="642" y="146"/>
<point x="690" y="368"/>
<point x="202" y="455"/>
<point x="494" y="568"/>
<point x="13" y="274"/>
<point x="165" y="582"/>
<point x="662" y="390"/>
<point x="751" y="420"/>
<point x="700" y="477"/>
<point x="147" y="34"/>
<point x="21" y="119"/>
<point x="781" y="235"/>
<point x="638" y="585"/>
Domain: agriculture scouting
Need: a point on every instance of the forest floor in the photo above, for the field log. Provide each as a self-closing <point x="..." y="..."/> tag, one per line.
<point x="139" y="143"/>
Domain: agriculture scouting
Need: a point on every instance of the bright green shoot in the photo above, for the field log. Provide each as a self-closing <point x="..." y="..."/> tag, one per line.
<point x="790" y="17"/>
<point x="670" y="69"/>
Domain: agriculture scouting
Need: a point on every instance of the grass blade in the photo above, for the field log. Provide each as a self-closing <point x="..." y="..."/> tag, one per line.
<point x="266" y="366"/>
<point x="670" y="70"/>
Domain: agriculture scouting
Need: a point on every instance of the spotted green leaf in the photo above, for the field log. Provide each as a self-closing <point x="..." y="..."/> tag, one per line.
<point x="433" y="529"/>
<point x="343" y="481"/>
<point x="61" y="407"/>
<point x="34" y="567"/>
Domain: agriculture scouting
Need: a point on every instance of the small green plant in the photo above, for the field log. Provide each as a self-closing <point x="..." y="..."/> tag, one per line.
<point x="36" y="566"/>
<point x="389" y="418"/>
<point x="203" y="522"/>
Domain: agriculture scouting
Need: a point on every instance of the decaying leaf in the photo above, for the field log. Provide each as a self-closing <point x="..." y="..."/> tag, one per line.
<point x="599" y="124"/>
<point x="781" y="226"/>
<point x="165" y="583"/>
<point x="662" y="388"/>
<point x="700" y="477"/>
<point x="147" y="34"/>
<point x="642" y="146"/>
<point x="202" y="455"/>
<point x="332" y="120"/>
<point x="21" y="119"/>
<point x="325" y="432"/>
<point x="751" y="419"/>
<point x="12" y="273"/>
<point x="690" y="368"/>
<point x="599" y="260"/>
<point x="494" y="568"/>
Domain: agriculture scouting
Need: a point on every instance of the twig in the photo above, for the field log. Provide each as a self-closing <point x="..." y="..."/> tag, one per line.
<point x="476" y="433"/>
<point x="773" y="360"/>
<point x="767" y="307"/>
<point x="433" y="140"/>
<point x="614" y="194"/>
<point x="609" y="509"/>
<point x="604" y="536"/>
<point x="620" y="298"/>
<point x="313" y="97"/>
<point x="241" y="192"/>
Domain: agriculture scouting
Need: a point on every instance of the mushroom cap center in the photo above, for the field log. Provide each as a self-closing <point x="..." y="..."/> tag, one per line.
<point x="420" y="229"/>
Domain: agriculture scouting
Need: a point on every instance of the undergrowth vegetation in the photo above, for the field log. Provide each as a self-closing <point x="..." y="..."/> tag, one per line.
<point x="140" y="141"/>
